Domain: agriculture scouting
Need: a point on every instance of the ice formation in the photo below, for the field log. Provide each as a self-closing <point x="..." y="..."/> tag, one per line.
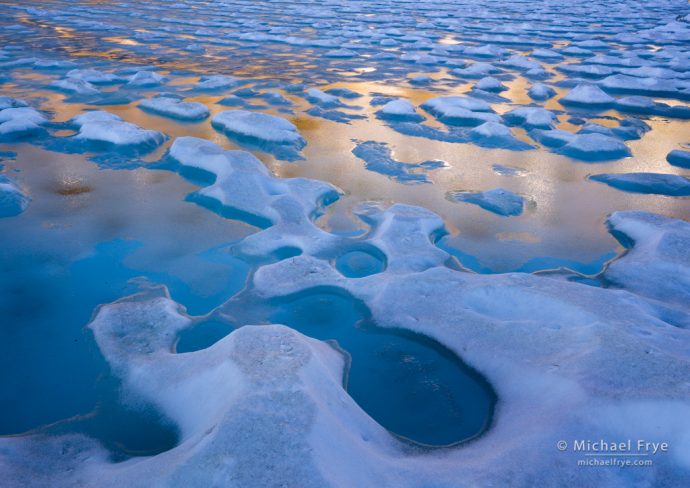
<point x="377" y="157"/>
<point x="271" y="133"/>
<point x="175" y="108"/>
<point x="499" y="201"/>
<point x="659" y="183"/>
<point x="13" y="200"/>
<point x="592" y="346"/>
<point x="105" y="127"/>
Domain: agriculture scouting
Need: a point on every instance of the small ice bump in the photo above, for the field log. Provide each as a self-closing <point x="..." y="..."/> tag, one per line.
<point x="499" y="201"/>
<point x="650" y="183"/>
<point x="317" y="97"/>
<point x="9" y="102"/>
<point x="440" y="105"/>
<point x="104" y="127"/>
<point x="20" y="121"/>
<point x="217" y="82"/>
<point x="94" y="76"/>
<point x="175" y="108"/>
<point x="378" y="157"/>
<point x="490" y="84"/>
<point x="76" y="86"/>
<point x="594" y="147"/>
<point x="586" y="94"/>
<point x="259" y="126"/>
<point x="679" y="158"/>
<point x="539" y="91"/>
<point x="531" y="117"/>
<point x="341" y="53"/>
<point x="496" y="135"/>
<point x="13" y="200"/>
<point x="146" y="78"/>
<point x="399" y="109"/>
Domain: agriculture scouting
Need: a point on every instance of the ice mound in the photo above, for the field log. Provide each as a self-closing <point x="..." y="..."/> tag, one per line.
<point x="341" y="53"/>
<point x="326" y="100"/>
<point x="439" y="106"/>
<point x="657" y="264"/>
<point x="476" y="70"/>
<point x="217" y="82"/>
<point x="531" y="117"/>
<point x="655" y="183"/>
<point x="399" y="109"/>
<point x="243" y="187"/>
<point x="335" y="115"/>
<point x="343" y="92"/>
<point x="377" y="157"/>
<point x="94" y="77"/>
<point x="587" y="95"/>
<point x="461" y="111"/>
<point x="499" y="201"/>
<point x="20" y="121"/>
<point x="637" y="104"/>
<point x="107" y="128"/>
<point x="496" y="135"/>
<point x="642" y="86"/>
<point x="13" y="200"/>
<point x="146" y="79"/>
<point x="9" y="102"/>
<point x="490" y="84"/>
<point x="679" y="158"/>
<point x="268" y="132"/>
<point x="594" y="147"/>
<point x="275" y="98"/>
<point x="175" y="108"/>
<point x="76" y="86"/>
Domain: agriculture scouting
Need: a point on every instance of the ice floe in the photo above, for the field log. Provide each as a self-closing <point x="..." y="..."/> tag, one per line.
<point x="378" y="158"/>
<point x="268" y="132"/>
<point x="499" y="201"/>
<point x="107" y="128"/>
<point x="657" y="183"/>
<point x="175" y="108"/>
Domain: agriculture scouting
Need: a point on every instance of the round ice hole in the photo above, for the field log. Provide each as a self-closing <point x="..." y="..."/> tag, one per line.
<point x="361" y="262"/>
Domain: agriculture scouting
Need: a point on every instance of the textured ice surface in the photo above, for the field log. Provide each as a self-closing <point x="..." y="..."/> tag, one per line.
<point x="378" y="157"/>
<point x="494" y="134"/>
<point x="659" y="183"/>
<point x="679" y="158"/>
<point x="587" y="95"/>
<point x="594" y="345"/>
<point x="18" y="121"/>
<point x="268" y="132"/>
<point x="243" y="188"/>
<point x="175" y="108"/>
<point x="594" y="147"/>
<point x="104" y="127"/>
<point x="499" y="201"/>
<point x="146" y="79"/>
<point x="399" y="110"/>
<point x="13" y="200"/>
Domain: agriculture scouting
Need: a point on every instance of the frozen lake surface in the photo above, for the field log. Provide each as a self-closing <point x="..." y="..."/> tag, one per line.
<point x="472" y="218"/>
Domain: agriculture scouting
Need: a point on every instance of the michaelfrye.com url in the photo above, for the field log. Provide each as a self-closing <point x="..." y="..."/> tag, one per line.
<point x="619" y="454"/>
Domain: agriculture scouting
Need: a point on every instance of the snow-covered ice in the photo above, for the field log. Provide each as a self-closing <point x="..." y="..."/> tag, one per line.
<point x="175" y="108"/>
<point x="271" y="133"/>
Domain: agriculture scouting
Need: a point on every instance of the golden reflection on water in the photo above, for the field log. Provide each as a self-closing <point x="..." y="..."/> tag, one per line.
<point x="569" y="210"/>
